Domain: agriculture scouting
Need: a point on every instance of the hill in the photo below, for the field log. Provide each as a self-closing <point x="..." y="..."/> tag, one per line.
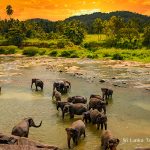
<point x="88" y="19"/>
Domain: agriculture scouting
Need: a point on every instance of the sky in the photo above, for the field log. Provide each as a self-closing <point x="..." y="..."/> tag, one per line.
<point x="61" y="9"/>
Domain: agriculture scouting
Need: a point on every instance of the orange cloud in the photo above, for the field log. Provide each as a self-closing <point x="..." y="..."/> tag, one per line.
<point x="61" y="9"/>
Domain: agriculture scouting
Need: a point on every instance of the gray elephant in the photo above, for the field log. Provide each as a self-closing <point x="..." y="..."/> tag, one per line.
<point x="61" y="105"/>
<point x="5" y="139"/>
<point x="97" y="104"/>
<point x="77" y="99"/>
<point x="108" y="141"/>
<point x="107" y="93"/>
<point x="57" y="95"/>
<point x="74" y="109"/>
<point x="22" y="128"/>
<point x="62" y="86"/>
<point x="75" y="131"/>
<point x="38" y="83"/>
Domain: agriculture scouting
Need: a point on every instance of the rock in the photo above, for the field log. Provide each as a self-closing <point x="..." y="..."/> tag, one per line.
<point x="148" y="89"/>
<point x="10" y="142"/>
<point x="113" y="77"/>
<point x="102" y="81"/>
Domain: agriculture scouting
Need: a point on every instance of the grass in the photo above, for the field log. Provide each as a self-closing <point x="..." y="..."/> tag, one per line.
<point x="91" y="48"/>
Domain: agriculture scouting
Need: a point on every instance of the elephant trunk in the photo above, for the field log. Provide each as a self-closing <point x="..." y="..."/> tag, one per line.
<point x="37" y="126"/>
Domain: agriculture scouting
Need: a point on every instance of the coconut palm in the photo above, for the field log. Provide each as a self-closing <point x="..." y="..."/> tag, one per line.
<point x="9" y="10"/>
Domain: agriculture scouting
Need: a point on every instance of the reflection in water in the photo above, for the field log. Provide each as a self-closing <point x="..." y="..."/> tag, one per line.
<point x="128" y="112"/>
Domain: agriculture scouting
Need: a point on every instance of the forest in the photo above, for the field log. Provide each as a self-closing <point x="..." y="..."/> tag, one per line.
<point x="119" y="35"/>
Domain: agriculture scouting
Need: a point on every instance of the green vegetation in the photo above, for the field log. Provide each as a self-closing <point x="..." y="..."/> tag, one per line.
<point x="117" y="36"/>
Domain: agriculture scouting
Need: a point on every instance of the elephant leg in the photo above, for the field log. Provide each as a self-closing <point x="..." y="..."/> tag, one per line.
<point x="104" y="109"/>
<point x="105" y="124"/>
<point x="71" y="116"/>
<point x="98" y="126"/>
<point x="101" y="126"/>
<point x="36" y="88"/>
<point x="84" y="133"/>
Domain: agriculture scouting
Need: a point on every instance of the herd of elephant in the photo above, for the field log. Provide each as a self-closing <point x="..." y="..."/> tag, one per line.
<point x="94" y="111"/>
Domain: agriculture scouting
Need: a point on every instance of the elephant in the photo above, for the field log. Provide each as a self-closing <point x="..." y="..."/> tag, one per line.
<point x="38" y="83"/>
<point x="22" y="128"/>
<point x="96" y="96"/>
<point x="75" y="131"/>
<point x="107" y="93"/>
<point x="108" y="141"/>
<point x="97" y="104"/>
<point x="62" y="86"/>
<point x="74" y="109"/>
<point x="5" y="139"/>
<point x="98" y="118"/>
<point x="77" y="99"/>
<point x="86" y="116"/>
<point x="61" y="105"/>
<point x="57" y="95"/>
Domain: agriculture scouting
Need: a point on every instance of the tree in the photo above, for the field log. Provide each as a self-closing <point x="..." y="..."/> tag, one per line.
<point x="9" y="10"/>
<point x="15" y="36"/>
<point x="98" y="26"/>
<point x="112" y="26"/>
<point x="128" y="34"/>
<point x="146" y="36"/>
<point x="75" y="32"/>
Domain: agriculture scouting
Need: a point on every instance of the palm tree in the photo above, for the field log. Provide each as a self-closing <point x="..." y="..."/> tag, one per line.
<point x="9" y="10"/>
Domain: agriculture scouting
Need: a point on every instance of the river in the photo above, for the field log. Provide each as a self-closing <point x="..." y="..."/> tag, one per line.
<point x="128" y="112"/>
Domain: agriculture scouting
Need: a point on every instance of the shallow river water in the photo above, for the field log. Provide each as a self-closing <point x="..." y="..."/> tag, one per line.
<point x="128" y="112"/>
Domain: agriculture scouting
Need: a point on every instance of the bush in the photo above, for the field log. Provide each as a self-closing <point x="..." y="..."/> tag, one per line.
<point x="61" y="44"/>
<point x="53" y="53"/>
<point x="93" y="46"/>
<point x="8" y="49"/>
<point x="42" y="51"/>
<point x="30" y="51"/>
<point x="70" y="54"/>
<point x="117" y="56"/>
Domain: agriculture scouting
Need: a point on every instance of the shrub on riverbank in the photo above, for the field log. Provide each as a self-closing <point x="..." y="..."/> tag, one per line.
<point x="8" y="49"/>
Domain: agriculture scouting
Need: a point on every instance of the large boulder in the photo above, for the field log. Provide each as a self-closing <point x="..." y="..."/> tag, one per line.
<point x="9" y="142"/>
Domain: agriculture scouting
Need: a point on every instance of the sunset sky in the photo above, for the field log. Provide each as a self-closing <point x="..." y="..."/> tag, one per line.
<point x="61" y="9"/>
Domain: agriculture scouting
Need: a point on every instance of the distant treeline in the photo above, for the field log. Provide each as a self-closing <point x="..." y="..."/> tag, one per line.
<point x="122" y="29"/>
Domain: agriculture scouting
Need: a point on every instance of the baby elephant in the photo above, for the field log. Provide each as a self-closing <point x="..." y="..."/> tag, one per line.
<point x="38" y="83"/>
<point x="57" y="95"/>
<point x="77" y="99"/>
<point x="107" y="93"/>
<point x="108" y="141"/>
<point x="75" y="131"/>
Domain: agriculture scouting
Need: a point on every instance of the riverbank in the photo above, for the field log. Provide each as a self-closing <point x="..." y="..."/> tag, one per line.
<point x="121" y="73"/>
<point x="139" y="55"/>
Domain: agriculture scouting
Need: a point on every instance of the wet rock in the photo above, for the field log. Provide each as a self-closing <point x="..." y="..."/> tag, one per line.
<point x="113" y="77"/>
<point x="10" y="142"/>
<point x="102" y="81"/>
<point x="148" y="89"/>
